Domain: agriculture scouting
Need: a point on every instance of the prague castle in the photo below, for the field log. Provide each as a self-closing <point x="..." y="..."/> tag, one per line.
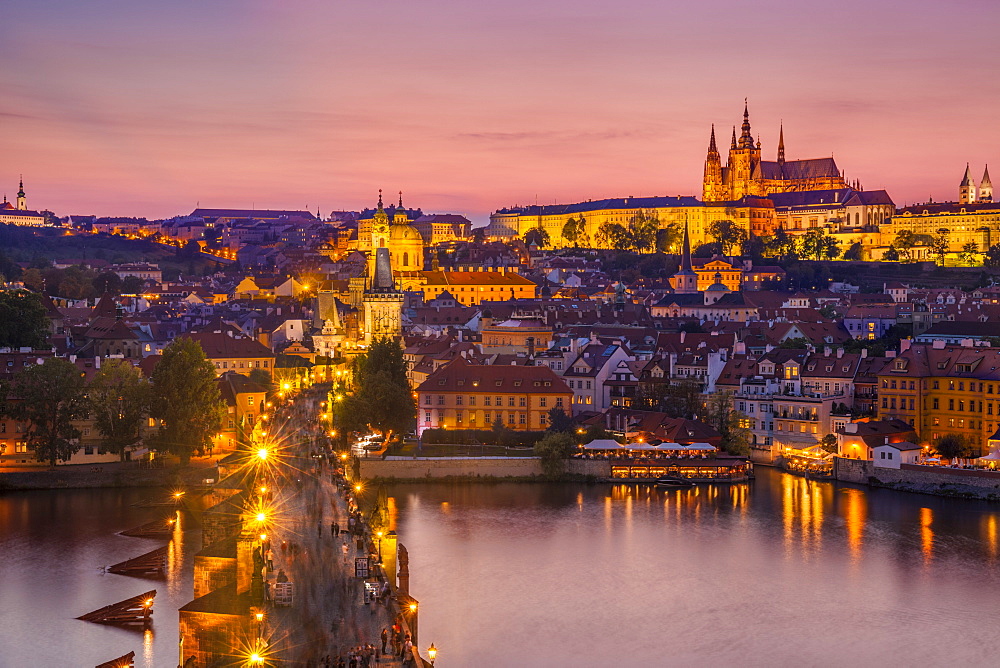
<point x="746" y="174"/>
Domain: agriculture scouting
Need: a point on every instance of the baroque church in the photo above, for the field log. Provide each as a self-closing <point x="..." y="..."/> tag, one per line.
<point x="746" y="174"/>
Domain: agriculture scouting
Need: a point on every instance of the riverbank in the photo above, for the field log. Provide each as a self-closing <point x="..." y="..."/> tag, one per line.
<point x="113" y="475"/>
<point x="933" y="480"/>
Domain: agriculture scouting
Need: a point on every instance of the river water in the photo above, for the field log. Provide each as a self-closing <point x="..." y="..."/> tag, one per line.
<point x="778" y="572"/>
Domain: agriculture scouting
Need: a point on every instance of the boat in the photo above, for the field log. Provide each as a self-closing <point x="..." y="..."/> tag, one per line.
<point x="670" y="481"/>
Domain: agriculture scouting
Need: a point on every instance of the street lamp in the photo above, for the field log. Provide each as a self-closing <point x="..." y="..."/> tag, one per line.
<point x="432" y="653"/>
<point x="379" y="534"/>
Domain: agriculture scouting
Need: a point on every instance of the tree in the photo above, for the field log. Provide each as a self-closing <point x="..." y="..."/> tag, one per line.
<point x="186" y="399"/>
<point x="939" y="244"/>
<point x="554" y="449"/>
<point x="560" y="421"/>
<point x="264" y="379"/>
<point x="612" y="235"/>
<point x="727" y="234"/>
<point x="970" y="253"/>
<point x="571" y="230"/>
<point x="479" y="235"/>
<point x="538" y="236"/>
<point x="992" y="258"/>
<point x="781" y="245"/>
<point x="829" y="443"/>
<point x="953" y="446"/>
<point x="118" y="398"/>
<point x="731" y="424"/>
<point x="23" y="322"/>
<point x="853" y="254"/>
<point x="669" y="238"/>
<point x="381" y="398"/>
<point x="816" y="244"/>
<point x="49" y="397"/>
<point x="33" y="279"/>
<point x="109" y="282"/>
<point x="891" y="255"/>
<point x="641" y="230"/>
<point x="904" y="242"/>
<point x="682" y="398"/>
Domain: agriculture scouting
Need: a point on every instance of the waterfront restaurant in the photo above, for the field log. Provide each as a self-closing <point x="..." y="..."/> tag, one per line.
<point x="645" y="462"/>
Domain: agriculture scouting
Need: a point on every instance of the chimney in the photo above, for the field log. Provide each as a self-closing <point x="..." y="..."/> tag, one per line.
<point x="864" y="353"/>
<point x="904" y="345"/>
<point x="966" y="343"/>
<point x="889" y="354"/>
<point x="851" y="428"/>
<point x="531" y="346"/>
<point x="938" y="344"/>
<point x="840" y="353"/>
<point x="827" y="351"/>
<point x="683" y="333"/>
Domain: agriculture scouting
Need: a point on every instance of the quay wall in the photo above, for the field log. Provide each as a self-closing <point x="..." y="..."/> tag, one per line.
<point x="472" y="467"/>
<point x="935" y="480"/>
<point x="72" y="477"/>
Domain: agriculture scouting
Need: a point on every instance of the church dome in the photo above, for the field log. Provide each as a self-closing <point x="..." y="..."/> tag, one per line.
<point x="404" y="233"/>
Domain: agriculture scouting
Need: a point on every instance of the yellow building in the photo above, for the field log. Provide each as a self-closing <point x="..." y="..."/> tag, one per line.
<point x="405" y="242"/>
<point x="469" y="287"/>
<point x="978" y="223"/>
<point x="940" y="389"/>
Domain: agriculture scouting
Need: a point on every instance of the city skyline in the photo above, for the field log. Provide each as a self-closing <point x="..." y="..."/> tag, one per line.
<point x="151" y="110"/>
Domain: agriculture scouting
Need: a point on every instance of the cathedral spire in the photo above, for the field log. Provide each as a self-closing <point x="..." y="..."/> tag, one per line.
<point x="686" y="257"/>
<point x="733" y="146"/>
<point x="746" y="139"/>
<point x="967" y="189"/>
<point x="781" y="144"/>
<point x="711" y="142"/>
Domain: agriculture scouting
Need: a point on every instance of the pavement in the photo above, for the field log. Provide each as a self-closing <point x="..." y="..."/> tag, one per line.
<point x="328" y="615"/>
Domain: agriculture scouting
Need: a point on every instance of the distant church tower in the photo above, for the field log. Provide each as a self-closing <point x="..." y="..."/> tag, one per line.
<point x="382" y="302"/>
<point x="685" y="281"/>
<point x="380" y="233"/>
<point x="986" y="187"/>
<point x="22" y="202"/>
<point x="967" y="190"/>
<point x="743" y="161"/>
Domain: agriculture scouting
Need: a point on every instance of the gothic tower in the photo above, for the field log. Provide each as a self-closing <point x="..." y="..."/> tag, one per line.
<point x="380" y="233"/>
<point x="685" y="281"/>
<point x="967" y="189"/>
<point x="743" y="161"/>
<point x="383" y="303"/>
<point x="781" y="144"/>
<point x="712" y="190"/>
<point x="22" y="202"/>
<point x="986" y="187"/>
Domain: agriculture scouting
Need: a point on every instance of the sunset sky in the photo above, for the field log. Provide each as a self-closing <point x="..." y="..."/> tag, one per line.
<point x="149" y="108"/>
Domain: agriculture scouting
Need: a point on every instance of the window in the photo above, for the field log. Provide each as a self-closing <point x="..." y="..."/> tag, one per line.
<point x="559" y="403"/>
<point x="440" y="400"/>
<point x="510" y="401"/>
<point x="458" y="416"/>
<point x="486" y="418"/>
<point x="499" y="401"/>
<point x="486" y="401"/>
<point x="934" y="403"/>
<point x="472" y="400"/>
<point x="458" y="399"/>
<point x="510" y="418"/>
<point x="521" y="418"/>
<point x="522" y="402"/>
<point x="951" y="404"/>
<point x="427" y="416"/>
<point x="543" y="402"/>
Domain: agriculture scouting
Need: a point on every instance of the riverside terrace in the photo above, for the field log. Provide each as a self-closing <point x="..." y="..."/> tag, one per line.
<point x="644" y="462"/>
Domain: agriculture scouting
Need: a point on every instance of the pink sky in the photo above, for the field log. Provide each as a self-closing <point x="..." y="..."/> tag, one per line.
<point x="149" y="108"/>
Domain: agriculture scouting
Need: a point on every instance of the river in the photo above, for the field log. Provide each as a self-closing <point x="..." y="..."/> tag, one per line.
<point x="778" y="572"/>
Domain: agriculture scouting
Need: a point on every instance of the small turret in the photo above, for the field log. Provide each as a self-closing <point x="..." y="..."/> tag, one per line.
<point x="781" y="144"/>
<point x="967" y="189"/>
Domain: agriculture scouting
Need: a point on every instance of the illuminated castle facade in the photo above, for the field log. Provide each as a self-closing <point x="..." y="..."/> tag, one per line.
<point x="746" y="174"/>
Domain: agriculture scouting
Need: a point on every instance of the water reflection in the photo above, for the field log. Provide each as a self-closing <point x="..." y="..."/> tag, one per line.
<point x="548" y="565"/>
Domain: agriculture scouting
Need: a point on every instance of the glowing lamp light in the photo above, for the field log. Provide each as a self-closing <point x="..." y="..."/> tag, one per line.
<point x="263" y="537"/>
<point x="413" y="607"/>
<point x="432" y="652"/>
<point x="260" y="616"/>
<point x="357" y="488"/>
<point x="148" y="602"/>
<point x="261" y="517"/>
<point x="256" y="658"/>
<point x="178" y="495"/>
<point x="263" y="490"/>
<point x="262" y="454"/>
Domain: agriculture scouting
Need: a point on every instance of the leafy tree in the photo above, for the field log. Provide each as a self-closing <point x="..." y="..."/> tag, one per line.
<point x="853" y="253"/>
<point x="612" y="235"/>
<point x="730" y="423"/>
<point x="754" y="248"/>
<point x="794" y="343"/>
<point x="108" y="282"/>
<point x="554" y="449"/>
<point x="829" y="443"/>
<point x="538" y="236"/>
<point x="133" y="285"/>
<point x="381" y="398"/>
<point x="891" y="254"/>
<point x="992" y="258"/>
<point x="953" y="446"/>
<point x="49" y="397"/>
<point x="781" y="245"/>
<point x="669" y="238"/>
<point x="939" y="244"/>
<point x="682" y="398"/>
<point x="33" y="279"/>
<point x="23" y="322"/>
<point x="727" y="235"/>
<point x="817" y="244"/>
<point x="560" y="421"/>
<point x="119" y="401"/>
<point x="186" y="399"/>
<point x="479" y="235"/>
<point x="264" y="379"/>
<point x="571" y="230"/>
<point x="904" y="242"/>
<point x="641" y="230"/>
<point x="970" y="253"/>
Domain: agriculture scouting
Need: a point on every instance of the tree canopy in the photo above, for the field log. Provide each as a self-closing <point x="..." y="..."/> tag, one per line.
<point x="727" y="234"/>
<point x="49" y="397"/>
<point x="118" y="397"/>
<point x="186" y="399"/>
<point x="23" y="322"/>
<point x="381" y="398"/>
